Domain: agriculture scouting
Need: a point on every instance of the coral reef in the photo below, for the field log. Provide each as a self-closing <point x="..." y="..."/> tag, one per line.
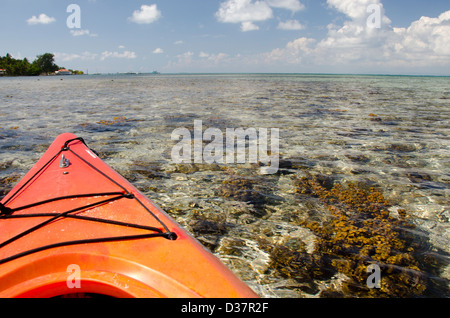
<point x="240" y="189"/>
<point x="359" y="232"/>
<point x="6" y="183"/>
<point x="116" y="120"/>
<point x="208" y="228"/>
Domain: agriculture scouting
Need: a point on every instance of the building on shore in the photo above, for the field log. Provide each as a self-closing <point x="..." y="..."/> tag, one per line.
<point x="2" y="72"/>
<point x="63" y="72"/>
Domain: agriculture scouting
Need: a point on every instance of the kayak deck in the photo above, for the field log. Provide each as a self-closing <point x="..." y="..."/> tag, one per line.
<point x="72" y="211"/>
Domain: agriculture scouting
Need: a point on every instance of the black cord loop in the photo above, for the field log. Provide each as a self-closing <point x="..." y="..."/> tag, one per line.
<point x="8" y="213"/>
<point x="5" y="210"/>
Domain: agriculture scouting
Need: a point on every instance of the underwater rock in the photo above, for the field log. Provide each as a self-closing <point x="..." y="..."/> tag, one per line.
<point x="358" y="158"/>
<point x="149" y="170"/>
<point x="188" y="168"/>
<point x="374" y="117"/>
<point x="401" y="147"/>
<point x="303" y="184"/>
<point x="235" y="208"/>
<point x="360" y="232"/>
<point x="402" y="161"/>
<point x="240" y="189"/>
<point x="7" y="183"/>
<point x="297" y="163"/>
<point x="232" y="246"/>
<point x="207" y="227"/>
<point x="207" y="230"/>
<point x="417" y="177"/>
<point x="6" y="165"/>
<point x="143" y="170"/>
<point x="184" y="168"/>
<point x="296" y="264"/>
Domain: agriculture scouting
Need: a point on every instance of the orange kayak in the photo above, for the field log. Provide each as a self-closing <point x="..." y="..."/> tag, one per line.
<point x="74" y="226"/>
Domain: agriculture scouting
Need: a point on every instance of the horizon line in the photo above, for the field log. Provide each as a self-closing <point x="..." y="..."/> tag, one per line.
<point x="266" y="73"/>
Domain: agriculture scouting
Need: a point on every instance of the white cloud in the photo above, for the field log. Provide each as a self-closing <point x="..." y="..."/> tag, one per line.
<point x="427" y="35"/>
<point x="247" y="12"/>
<point x="202" y="61"/>
<point x="294" y="52"/>
<point x="178" y="42"/>
<point x="183" y="59"/>
<point x="65" y="57"/>
<point x="42" y="19"/>
<point x="85" y="56"/>
<point x="219" y="57"/>
<point x="293" y="5"/>
<point x="238" y="11"/>
<point x="186" y="56"/>
<point x="215" y="58"/>
<point x="83" y="32"/>
<point x="146" y="15"/>
<point x="123" y="55"/>
<point x="158" y="51"/>
<point x="248" y="26"/>
<point x="354" y="9"/>
<point x="356" y="45"/>
<point x="290" y="25"/>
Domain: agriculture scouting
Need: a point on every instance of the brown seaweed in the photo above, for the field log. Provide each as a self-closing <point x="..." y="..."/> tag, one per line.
<point x="359" y="232"/>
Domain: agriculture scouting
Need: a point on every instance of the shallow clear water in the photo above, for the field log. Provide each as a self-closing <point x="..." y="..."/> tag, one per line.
<point x="384" y="131"/>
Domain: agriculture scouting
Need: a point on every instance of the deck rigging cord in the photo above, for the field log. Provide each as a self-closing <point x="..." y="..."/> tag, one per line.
<point x="8" y="213"/>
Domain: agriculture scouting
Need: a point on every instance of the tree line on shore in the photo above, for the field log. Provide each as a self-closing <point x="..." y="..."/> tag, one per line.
<point x="43" y="64"/>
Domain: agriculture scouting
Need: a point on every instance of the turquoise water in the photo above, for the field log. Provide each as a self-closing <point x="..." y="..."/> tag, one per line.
<point x="388" y="132"/>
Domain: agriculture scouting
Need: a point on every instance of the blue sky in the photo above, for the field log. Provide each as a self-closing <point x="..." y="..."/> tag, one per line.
<point x="324" y="36"/>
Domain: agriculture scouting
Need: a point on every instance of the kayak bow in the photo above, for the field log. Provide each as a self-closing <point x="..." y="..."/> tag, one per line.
<point x="73" y="225"/>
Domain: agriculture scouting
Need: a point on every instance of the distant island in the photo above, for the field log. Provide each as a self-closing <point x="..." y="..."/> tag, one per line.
<point x="43" y="65"/>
